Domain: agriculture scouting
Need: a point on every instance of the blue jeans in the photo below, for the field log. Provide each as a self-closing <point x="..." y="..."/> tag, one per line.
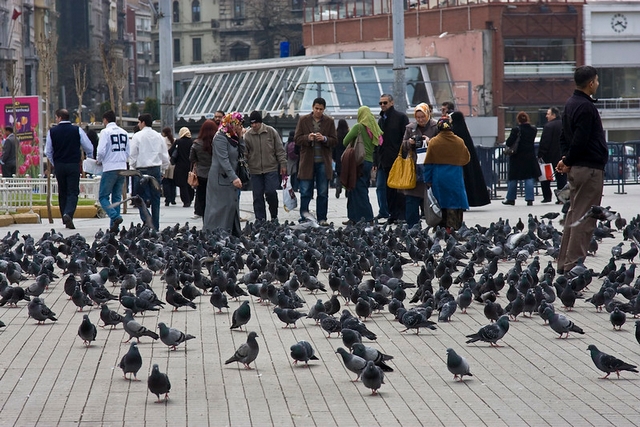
<point x="111" y="187"/>
<point x="306" y="192"/>
<point x="512" y="187"/>
<point x="358" y="204"/>
<point x="148" y="192"/>
<point x="265" y="186"/>
<point x="68" y="177"/>
<point x="381" y="192"/>
<point x="412" y="210"/>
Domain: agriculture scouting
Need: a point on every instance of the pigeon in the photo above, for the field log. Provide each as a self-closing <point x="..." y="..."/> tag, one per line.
<point x="158" y="383"/>
<point x="370" y="353"/>
<point x="491" y="333"/>
<point x="87" y="330"/>
<point x="607" y="363"/>
<point x="288" y="316"/>
<point x="39" y="311"/>
<point x="352" y="362"/>
<point x="302" y="352"/>
<point x="561" y="324"/>
<point x="109" y="317"/>
<point x="241" y="315"/>
<point x="598" y="213"/>
<point x="247" y="352"/>
<point x="172" y="337"/>
<point x="177" y="300"/>
<point x="135" y="329"/>
<point x="330" y="324"/>
<point x="350" y="337"/>
<point x="617" y="318"/>
<point x="131" y="362"/>
<point x="218" y="299"/>
<point x="457" y="365"/>
<point x="372" y="377"/>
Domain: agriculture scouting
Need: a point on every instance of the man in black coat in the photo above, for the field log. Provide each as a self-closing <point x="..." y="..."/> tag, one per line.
<point x="8" y="160"/>
<point x="391" y="202"/>
<point x="549" y="151"/>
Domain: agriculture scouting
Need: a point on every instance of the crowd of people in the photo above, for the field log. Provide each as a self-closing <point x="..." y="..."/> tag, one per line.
<point x="209" y="171"/>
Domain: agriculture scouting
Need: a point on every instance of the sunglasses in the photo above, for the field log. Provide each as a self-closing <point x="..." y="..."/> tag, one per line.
<point x="383" y="102"/>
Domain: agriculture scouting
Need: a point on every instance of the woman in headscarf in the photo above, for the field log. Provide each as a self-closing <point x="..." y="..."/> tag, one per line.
<point x="358" y="204"/>
<point x="168" y="184"/>
<point x="523" y="164"/>
<point x="417" y="135"/>
<point x="200" y="155"/>
<point x="446" y="156"/>
<point x="180" y="159"/>
<point x="222" y="209"/>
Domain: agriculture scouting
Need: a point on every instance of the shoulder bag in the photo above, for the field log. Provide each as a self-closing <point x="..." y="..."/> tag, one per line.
<point x="243" y="172"/>
<point x="357" y="146"/>
<point x="402" y="175"/>
<point x="192" y="177"/>
<point x="510" y="151"/>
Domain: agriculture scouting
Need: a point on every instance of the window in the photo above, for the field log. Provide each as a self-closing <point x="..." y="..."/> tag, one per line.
<point x="196" y="45"/>
<point x="176" y="50"/>
<point x="176" y="11"/>
<point x="618" y="83"/>
<point x="195" y="11"/>
<point x="239" y="52"/>
<point x="156" y="51"/>
<point x="238" y="9"/>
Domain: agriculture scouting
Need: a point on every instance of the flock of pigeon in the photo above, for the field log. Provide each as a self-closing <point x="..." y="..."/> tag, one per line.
<point x="364" y="267"/>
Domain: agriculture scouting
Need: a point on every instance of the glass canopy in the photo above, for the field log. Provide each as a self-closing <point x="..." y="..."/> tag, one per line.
<point x="288" y="86"/>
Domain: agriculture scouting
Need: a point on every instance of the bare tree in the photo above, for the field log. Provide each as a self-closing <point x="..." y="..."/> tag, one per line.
<point x="121" y="82"/>
<point x="14" y="84"/>
<point x="109" y="69"/>
<point x="47" y="48"/>
<point x="80" y="78"/>
<point x="276" y="23"/>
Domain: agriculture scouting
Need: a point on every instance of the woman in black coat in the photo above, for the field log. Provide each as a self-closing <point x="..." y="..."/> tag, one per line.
<point x="180" y="158"/>
<point x="523" y="165"/>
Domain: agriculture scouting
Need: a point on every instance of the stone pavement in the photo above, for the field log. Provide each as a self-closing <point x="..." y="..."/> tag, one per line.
<point x="49" y="378"/>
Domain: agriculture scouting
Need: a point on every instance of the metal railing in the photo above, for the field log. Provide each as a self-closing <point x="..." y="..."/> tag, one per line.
<point x="19" y="192"/>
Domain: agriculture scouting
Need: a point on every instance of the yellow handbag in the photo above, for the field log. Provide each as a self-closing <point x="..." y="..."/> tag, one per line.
<point x="402" y="175"/>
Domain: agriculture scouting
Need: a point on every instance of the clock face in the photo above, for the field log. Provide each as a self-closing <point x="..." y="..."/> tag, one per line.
<point x="619" y="22"/>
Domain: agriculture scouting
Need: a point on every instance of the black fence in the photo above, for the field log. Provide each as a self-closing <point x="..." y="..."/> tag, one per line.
<point x="621" y="169"/>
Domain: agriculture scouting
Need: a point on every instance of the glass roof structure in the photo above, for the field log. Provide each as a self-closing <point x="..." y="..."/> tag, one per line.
<point x="288" y="86"/>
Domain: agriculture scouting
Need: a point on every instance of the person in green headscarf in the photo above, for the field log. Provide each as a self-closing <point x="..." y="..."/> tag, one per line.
<point x="358" y="204"/>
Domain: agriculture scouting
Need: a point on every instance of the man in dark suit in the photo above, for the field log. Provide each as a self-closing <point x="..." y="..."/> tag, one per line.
<point x="393" y="123"/>
<point x="63" y="151"/>
<point x="549" y="151"/>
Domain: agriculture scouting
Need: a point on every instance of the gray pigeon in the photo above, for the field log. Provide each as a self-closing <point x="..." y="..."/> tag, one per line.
<point x="172" y="337"/>
<point x="372" y="377"/>
<point x="110" y="317"/>
<point x="353" y="363"/>
<point x="131" y="362"/>
<point x="247" y="352"/>
<point x="39" y="311"/>
<point x="288" y="316"/>
<point x="87" y="330"/>
<point x="607" y="363"/>
<point x="135" y="329"/>
<point x="218" y="299"/>
<point x="370" y="353"/>
<point x="457" y="365"/>
<point x="302" y="352"/>
<point x="241" y="315"/>
<point x="560" y="323"/>
<point x="491" y="333"/>
<point x="158" y="383"/>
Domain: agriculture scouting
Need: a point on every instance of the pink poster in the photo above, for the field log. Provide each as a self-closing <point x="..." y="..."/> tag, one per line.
<point x="24" y="117"/>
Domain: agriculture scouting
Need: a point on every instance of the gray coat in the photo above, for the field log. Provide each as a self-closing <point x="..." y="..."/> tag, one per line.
<point x="222" y="208"/>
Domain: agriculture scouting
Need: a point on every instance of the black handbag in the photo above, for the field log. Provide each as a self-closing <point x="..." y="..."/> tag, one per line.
<point x="513" y="149"/>
<point x="243" y="172"/>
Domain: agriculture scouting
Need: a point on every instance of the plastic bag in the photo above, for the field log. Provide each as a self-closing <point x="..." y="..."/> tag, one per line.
<point x="288" y="195"/>
<point x="432" y="211"/>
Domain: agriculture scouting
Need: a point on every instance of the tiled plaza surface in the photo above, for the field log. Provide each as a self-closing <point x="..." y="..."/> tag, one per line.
<point x="49" y="378"/>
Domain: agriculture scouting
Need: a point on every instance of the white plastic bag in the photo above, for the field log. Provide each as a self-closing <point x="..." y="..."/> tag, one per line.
<point x="288" y="195"/>
<point x="432" y="211"/>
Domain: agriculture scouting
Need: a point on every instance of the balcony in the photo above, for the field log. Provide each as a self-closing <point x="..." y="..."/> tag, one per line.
<point x="618" y="104"/>
<point x="538" y="69"/>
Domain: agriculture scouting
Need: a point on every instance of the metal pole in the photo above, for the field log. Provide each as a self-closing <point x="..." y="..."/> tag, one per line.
<point x="399" y="81"/>
<point x="167" y="106"/>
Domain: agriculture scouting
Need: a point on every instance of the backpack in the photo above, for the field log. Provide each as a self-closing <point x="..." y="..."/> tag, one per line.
<point x="292" y="151"/>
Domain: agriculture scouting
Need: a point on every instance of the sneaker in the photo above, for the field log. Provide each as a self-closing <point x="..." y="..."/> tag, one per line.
<point x="196" y="216"/>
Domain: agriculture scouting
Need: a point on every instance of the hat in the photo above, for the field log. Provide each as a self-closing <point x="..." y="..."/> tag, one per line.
<point x="255" y="117"/>
<point x="184" y="131"/>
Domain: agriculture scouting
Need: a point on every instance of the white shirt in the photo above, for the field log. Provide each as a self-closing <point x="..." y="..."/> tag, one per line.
<point x="148" y="149"/>
<point x="113" y="148"/>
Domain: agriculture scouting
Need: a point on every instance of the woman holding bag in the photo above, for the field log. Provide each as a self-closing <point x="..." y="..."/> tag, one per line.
<point x="180" y="158"/>
<point x="523" y="164"/>
<point x="416" y="136"/>
<point x="200" y="155"/>
<point x="358" y="204"/>
<point x="443" y="164"/>
<point x="223" y="210"/>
